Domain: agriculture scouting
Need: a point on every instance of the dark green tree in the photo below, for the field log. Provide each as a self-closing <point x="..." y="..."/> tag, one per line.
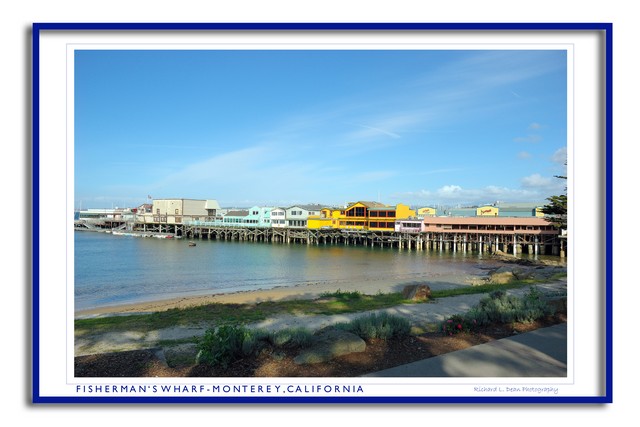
<point x="556" y="210"/>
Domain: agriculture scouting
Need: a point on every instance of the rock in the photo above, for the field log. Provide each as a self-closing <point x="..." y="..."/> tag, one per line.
<point x="330" y="344"/>
<point x="523" y="273"/>
<point x="416" y="292"/>
<point x="501" y="277"/>
<point x="506" y="274"/>
<point x="499" y="253"/>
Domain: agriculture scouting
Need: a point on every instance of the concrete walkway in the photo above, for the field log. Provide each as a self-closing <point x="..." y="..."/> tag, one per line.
<point x="540" y="353"/>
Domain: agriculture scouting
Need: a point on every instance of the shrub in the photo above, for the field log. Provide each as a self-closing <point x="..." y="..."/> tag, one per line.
<point x="536" y="305"/>
<point x="228" y="343"/>
<point x="253" y="341"/>
<point x="342" y="295"/>
<point x="293" y="337"/>
<point x="221" y="346"/>
<point x="499" y="307"/>
<point x="457" y="324"/>
<point x="498" y="294"/>
<point x="382" y="325"/>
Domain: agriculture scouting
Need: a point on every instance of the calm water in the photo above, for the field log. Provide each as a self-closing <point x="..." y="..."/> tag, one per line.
<point x="111" y="270"/>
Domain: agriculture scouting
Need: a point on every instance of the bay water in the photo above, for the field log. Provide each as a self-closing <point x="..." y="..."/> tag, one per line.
<point x="113" y="270"/>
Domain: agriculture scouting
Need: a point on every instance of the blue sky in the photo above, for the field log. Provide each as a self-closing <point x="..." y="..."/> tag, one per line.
<point x="278" y="128"/>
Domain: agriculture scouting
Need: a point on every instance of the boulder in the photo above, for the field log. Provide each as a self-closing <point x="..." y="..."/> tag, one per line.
<point x="416" y="292"/>
<point x="523" y="273"/>
<point x="506" y="274"/>
<point x="330" y="344"/>
<point x="501" y="277"/>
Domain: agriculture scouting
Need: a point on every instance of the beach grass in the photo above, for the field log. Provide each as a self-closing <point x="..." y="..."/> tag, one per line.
<point x="481" y="289"/>
<point x="338" y="302"/>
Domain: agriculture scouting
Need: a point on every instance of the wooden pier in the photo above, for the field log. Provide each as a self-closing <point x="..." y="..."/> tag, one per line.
<point x="516" y="242"/>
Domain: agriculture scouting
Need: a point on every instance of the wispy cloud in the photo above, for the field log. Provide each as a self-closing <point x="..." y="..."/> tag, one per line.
<point x="532" y="139"/>
<point x="524" y="155"/>
<point x="249" y="173"/>
<point x="543" y="184"/>
<point x="230" y="166"/>
<point x="501" y="68"/>
<point x="485" y="70"/>
<point x="370" y="131"/>
<point x="388" y="124"/>
<point x="534" y="189"/>
<point x="560" y="156"/>
<point x="536" y="181"/>
<point x="267" y="173"/>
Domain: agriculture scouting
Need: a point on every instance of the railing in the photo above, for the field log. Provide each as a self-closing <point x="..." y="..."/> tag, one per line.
<point x="225" y="224"/>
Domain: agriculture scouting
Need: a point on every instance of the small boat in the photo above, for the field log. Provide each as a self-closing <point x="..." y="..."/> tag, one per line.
<point x="192" y="243"/>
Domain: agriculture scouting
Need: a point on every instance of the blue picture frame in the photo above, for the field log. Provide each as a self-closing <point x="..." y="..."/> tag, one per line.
<point x="39" y="29"/>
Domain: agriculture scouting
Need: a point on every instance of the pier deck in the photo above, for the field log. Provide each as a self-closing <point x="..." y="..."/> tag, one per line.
<point x="515" y="241"/>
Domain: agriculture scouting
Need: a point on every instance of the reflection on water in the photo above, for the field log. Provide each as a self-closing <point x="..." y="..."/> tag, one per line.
<point x="124" y="269"/>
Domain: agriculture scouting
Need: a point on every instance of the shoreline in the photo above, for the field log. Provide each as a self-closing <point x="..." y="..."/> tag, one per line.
<point x="313" y="290"/>
<point x="280" y="293"/>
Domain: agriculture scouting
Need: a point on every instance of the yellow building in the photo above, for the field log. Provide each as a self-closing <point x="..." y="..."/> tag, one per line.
<point x="384" y="218"/>
<point x="487" y="211"/>
<point x="328" y="218"/>
<point x="426" y="211"/>
<point x="360" y="216"/>
<point x="356" y="215"/>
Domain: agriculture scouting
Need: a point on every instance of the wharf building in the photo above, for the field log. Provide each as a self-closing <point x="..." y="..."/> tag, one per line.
<point x="367" y="223"/>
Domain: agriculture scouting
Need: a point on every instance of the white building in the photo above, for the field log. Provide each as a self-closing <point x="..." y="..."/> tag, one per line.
<point x="278" y="218"/>
<point x="178" y="211"/>
<point x="297" y="216"/>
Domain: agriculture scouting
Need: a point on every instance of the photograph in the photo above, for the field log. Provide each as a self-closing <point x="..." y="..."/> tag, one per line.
<point x="256" y="215"/>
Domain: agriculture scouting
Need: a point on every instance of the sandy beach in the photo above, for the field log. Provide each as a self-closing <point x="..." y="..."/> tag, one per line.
<point x="308" y="291"/>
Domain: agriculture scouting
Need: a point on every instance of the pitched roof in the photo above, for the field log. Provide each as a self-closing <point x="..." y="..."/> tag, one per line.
<point x="311" y="207"/>
<point x="211" y="204"/>
<point x="368" y="204"/>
